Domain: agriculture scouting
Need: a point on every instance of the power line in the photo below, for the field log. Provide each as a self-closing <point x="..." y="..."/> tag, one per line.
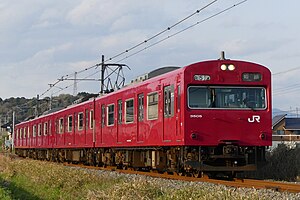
<point x="151" y="38"/>
<point x="191" y="26"/>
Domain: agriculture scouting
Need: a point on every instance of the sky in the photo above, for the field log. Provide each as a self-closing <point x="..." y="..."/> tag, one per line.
<point x="42" y="41"/>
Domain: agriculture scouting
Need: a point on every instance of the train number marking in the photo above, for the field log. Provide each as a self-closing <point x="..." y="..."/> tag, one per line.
<point x="195" y="116"/>
<point x="254" y="118"/>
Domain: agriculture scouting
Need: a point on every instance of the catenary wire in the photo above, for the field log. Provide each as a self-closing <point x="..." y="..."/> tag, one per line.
<point x="156" y="35"/>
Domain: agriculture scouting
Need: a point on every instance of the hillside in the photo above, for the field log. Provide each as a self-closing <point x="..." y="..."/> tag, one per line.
<point x="25" y="108"/>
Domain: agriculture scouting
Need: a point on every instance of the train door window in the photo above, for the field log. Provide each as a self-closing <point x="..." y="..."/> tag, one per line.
<point x="141" y="107"/>
<point x="86" y="119"/>
<point x="103" y="115"/>
<point x="169" y="101"/>
<point x="91" y="119"/>
<point x="50" y="128"/>
<point x="39" y="129"/>
<point x="178" y="98"/>
<point x="110" y="115"/>
<point x="120" y="111"/>
<point x="152" y="107"/>
<point x="61" y="125"/>
<point x="80" y="121"/>
<point x="34" y="131"/>
<point x="129" y="110"/>
<point x="70" y="123"/>
<point x="28" y="132"/>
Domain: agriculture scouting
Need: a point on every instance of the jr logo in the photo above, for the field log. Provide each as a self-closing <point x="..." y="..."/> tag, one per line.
<point x="254" y="118"/>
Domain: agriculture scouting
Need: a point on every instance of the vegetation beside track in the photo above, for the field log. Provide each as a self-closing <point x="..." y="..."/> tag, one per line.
<point x="31" y="179"/>
<point x="283" y="164"/>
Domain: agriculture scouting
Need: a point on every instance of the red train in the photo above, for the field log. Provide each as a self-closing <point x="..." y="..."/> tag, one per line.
<point x="212" y="116"/>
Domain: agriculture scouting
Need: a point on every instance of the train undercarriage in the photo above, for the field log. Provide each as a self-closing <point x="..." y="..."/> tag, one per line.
<point x="188" y="160"/>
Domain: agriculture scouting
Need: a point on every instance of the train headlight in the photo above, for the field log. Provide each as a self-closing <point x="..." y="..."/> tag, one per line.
<point x="223" y="67"/>
<point x="231" y="67"/>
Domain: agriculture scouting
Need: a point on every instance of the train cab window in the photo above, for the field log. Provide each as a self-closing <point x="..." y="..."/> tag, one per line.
<point x="39" y="129"/>
<point x="152" y="106"/>
<point x="141" y="107"/>
<point x="169" y="101"/>
<point x="70" y="123"/>
<point x="129" y="110"/>
<point x="120" y="111"/>
<point x="200" y="97"/>
<point x="110" y="115"/>
<point x="80" y="121"/>
<point x="91" y="119"/>
<point x="46" y="128"/>
<point x="34" y="131"/>
<point x="103" y="115"/>
<point x="61" y="125"/>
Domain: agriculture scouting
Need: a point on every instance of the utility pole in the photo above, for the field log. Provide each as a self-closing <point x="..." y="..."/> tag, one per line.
<point x="75" y="85"/>
<point x="13" y="132"/>
<point x="102" y="74"/>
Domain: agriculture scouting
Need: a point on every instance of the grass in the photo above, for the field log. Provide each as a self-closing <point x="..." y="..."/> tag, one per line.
<point x="35" y="180"/>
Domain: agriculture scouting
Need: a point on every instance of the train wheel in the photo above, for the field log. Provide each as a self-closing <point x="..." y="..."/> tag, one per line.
<point x="197" y="174"/>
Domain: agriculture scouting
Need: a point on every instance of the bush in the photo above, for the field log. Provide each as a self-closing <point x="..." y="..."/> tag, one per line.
<point x="283" y="163"/>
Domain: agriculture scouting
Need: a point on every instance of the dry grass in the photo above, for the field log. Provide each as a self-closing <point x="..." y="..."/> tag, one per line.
<point x="31" y="179"/>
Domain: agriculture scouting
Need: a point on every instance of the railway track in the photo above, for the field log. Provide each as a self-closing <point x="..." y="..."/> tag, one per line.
<point x="237" y="182"/>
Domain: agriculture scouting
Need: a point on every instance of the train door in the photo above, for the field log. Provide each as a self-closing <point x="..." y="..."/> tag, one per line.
<point x="102" y="123"/>
<point x="178" y="114"/>
<point x="169" y="123"/>
<point x="119" y="123"/>
<point x="140" y="121"/>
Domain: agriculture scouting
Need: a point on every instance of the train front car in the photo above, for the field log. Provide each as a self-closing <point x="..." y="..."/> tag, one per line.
<point x="227" y="123"/>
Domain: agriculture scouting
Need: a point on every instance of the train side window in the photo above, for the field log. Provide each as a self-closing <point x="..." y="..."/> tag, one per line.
<point x="21" y="133"/>
<point x="46" y="128"/>
<point x="34" y="131"/>
<point x="80" y="121"/>
<point x="70" y="123"/>
<point x="91" y="119"/>
<point x="169" y="101"/>
<point x="141" y="107"/>
<point x="110" y="115"/>
<point x="152" y="106"/>
<point x="39" y="129"/>
<point x="103" y="115"/>
<point x="25" y="132"/>
<point x="120" y="111"/>
<point x="129" y="110"/>
<point x="61" y="125"/>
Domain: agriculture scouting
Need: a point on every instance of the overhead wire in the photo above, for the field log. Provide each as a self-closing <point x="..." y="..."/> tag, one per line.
<point x="178" y="32"/>
<point x="151" y="38"/>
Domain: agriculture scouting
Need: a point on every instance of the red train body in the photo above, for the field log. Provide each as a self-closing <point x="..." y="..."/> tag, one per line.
<point x="210" y="116"/>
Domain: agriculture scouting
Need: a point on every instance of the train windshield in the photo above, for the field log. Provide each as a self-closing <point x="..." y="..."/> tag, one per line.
<point x="200" y="97"/>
